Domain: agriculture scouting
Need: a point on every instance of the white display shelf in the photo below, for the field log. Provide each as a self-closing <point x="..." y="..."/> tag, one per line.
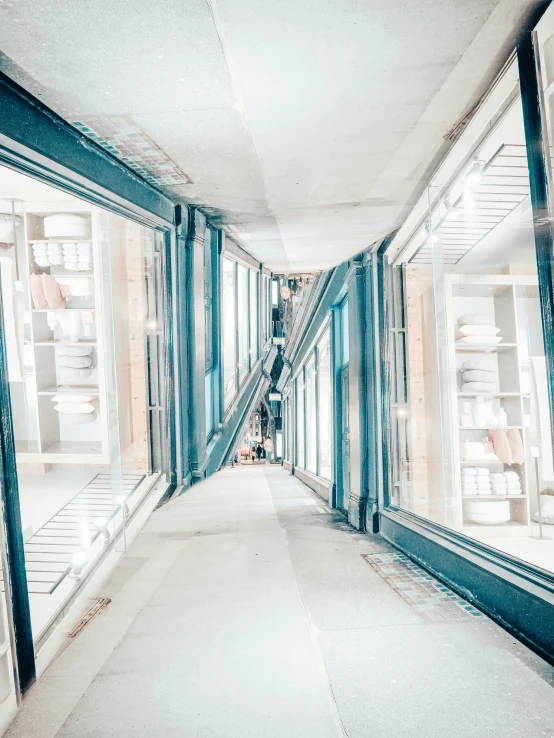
<point x="53" y="438"/>
<point x="498" y="296"/>
<point x="53" y="241"/>
<point x="494" y="497"/>
<point x="510" y="529"/>
<point x="65" y="310"/>
<point x="85" y="389"/>
<point x="488" y="348"/>
<point x="488" y="394"/>
<point x="488" y="427"/>
<point x="81" y="342"/>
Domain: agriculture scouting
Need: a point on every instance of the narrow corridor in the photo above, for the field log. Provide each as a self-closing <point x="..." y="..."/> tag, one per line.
<point x="246" y="609"/>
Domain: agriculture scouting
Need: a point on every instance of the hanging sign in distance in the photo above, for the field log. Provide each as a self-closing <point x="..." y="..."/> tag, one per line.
<point x="275" y="397"/>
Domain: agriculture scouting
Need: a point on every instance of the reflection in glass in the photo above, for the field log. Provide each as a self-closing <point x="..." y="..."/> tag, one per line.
<point x="229" y="329"/>
<point x="311" y="431"/>
<point x="243" y="328"/>
<point x="325" y="405"/>
<point x="254" y="310"/>
<point x="300" y="459"/>
<point x="471" y="435"/>
<point x="83" y="307"/>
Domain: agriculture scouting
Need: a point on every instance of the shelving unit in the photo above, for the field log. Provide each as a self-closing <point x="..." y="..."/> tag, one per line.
<point x="43" y="435"/>
<point x="506" y="298"/>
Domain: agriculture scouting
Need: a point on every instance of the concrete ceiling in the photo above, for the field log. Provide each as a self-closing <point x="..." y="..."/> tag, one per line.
<point x="307" y="127"/>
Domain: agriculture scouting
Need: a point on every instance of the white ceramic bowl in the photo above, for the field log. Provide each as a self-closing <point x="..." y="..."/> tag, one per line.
<point x="66" y="225"/>
<point x="488" y="512"/>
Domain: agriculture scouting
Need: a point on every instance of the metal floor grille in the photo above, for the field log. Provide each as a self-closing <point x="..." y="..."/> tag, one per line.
<point x="49" y="552"/>
<point x="431" y="599"/>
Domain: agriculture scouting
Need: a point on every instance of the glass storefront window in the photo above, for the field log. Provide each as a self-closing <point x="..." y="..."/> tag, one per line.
<point x="325" y="405"/>
<point x="243" y="330"/>
<point x="344" y="333"/>
<point x="229" y="330"/>
<point x="254" y="310"/>
<point x="311" y="411"/>
<point x="471" y="433"/>
<point x="300" y="459"/>
<point x="83" y="303"/>
<point x="208" y="296"/>
<point x="210" y="421"/>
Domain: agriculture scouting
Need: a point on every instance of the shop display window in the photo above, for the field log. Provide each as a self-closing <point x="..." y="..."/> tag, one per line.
<point x="311" y="410"/>
<point x="83" y="306"/>
<point x="325" y="405"/>
<point x="243" y="328"/>
<point x="229" y="329"/>
<point x="300" y="458"/>
<point x="240" y="310"/>
<point x="253" y="313"/>
<point x="471" y="433"/>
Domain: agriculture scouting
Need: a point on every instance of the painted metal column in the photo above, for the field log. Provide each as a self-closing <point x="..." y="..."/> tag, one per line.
<point x="336" y="367"/>
<point x="181" y="341"/>
<point x="217" y="352"/>
<point x="372" y="394"/>
<point x="11" y="520"/>
<point x="538" y="158"/>
<point x="196" y="343"/>
<point x="357" y="394"/>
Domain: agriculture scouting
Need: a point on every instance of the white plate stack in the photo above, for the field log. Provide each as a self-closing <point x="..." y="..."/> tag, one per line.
<point x="487" y="512"/>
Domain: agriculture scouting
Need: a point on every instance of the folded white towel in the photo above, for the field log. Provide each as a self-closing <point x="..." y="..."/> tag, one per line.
<point x="482" y="471"/>
<point x="511" y="475"/>
<point x="469" y="471"/>
<point x="472" y="329"/>
<point x="480" y="375"/>
<point x="475" y="319"/>
<point x="484" y="387"/>
<point x="482" y="363"/>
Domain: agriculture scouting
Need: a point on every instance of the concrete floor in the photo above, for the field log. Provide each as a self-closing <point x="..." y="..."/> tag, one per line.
<point x="245" y="610"/>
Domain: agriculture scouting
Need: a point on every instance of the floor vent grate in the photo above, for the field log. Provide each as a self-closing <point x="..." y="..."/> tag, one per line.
<point x="430" y="598"/>
<point x="99" y="604"/>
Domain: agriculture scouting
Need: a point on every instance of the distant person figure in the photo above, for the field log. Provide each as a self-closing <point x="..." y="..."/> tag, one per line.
<point x="253" y="453"/>
<point x="259" y="451"/>
<point x="268" y="446"/>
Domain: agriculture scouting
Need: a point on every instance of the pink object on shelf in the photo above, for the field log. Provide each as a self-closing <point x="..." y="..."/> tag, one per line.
<point x="501" y="445"/>
<point x="52" y="293"/>
<point x="516" y="445"/>
<point x="37" y="292"/>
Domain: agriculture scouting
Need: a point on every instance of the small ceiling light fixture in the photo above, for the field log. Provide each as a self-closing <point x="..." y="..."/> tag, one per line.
<point x="432" y="237"/>
<point x="452" y="212"/>
<point x="78" y="563"/>
<point x="475" y="175"/>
